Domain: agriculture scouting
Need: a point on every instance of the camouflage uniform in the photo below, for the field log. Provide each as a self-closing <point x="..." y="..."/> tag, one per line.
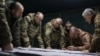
<point x="5" y="35"/>
<point x="16" y="33"/>
<point x="67" y="38"/>
<point x="54" y="38"/>
<point x="14" y="24"/>
<point x="95" y="47"/>
<point x="30" y="31"/>
<point x="82" y="42"/>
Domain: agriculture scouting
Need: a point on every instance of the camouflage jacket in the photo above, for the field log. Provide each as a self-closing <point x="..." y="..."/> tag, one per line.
<point x="83" y="41"/>
<point x="95" y="46"/>
<point x="67" y="37"/>
<point x="14" y="24"/>
<point x="5" y="34"/>
<point x="16" y="33"/>
<point x="53" y="38"/>
<point x="30" y="30"/>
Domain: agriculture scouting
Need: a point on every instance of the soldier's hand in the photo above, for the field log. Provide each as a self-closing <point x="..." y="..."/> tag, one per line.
<point x="29" y="46"/>
<point x="42" y="46"/>
<point x="63" y="48"/>
<point x="49" y="48"/>
<point x="7" y="47"/>
<point x="71" y="47"/>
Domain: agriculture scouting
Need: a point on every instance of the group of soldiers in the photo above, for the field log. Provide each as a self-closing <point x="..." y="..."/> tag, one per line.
<point x="18" y="31"/>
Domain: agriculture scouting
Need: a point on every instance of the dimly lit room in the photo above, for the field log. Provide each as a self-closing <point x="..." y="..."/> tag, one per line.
<point x="49" y="27"/>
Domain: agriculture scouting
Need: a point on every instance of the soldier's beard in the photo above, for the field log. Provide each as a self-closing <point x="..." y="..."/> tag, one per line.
<point x="16" y="16"/>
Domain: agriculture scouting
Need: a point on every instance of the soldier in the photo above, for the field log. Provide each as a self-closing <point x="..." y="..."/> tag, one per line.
<point x="31" y="30"/>
<point x="5" y="40"/>
<point x="90" y="16"/>
<point x="67" y="27"/>
<point x="14" y="16"/>
<point x="54" y="34"/>
<point x="80" y="40"/>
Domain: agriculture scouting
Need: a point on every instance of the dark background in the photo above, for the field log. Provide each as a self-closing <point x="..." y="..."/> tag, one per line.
<point x="66" y="9"/>
<point x="51" y="6"/>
